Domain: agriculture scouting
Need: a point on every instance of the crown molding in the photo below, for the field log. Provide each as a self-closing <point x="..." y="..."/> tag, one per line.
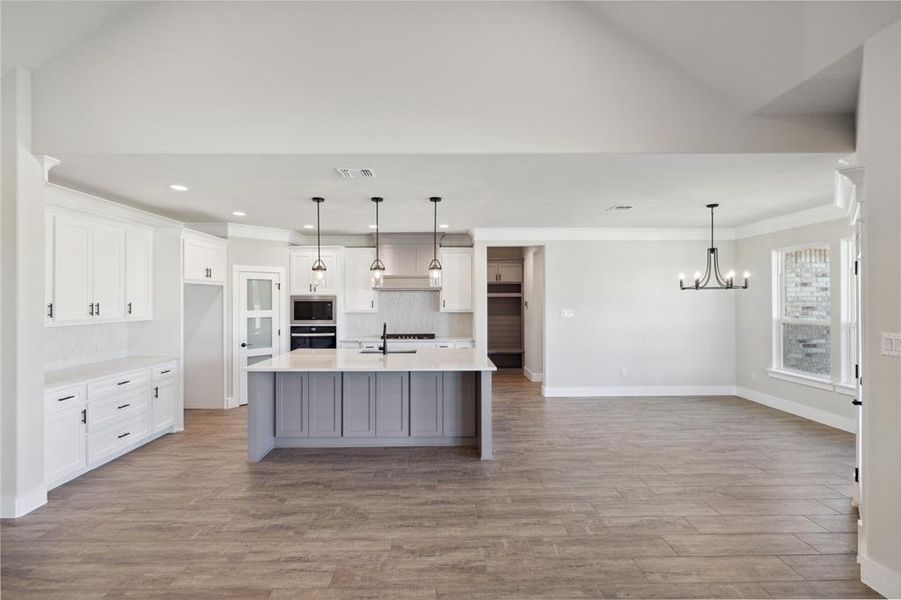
<point x="591" y="234"/>
<point x="250" y="232"/>
<point x="66" y="198"/>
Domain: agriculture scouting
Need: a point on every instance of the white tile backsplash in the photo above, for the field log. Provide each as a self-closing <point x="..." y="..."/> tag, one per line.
<point x="408" y="312"/>
<point x="82" y="344"/>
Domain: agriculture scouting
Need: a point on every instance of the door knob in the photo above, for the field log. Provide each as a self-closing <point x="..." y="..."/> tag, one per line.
<point x="243" y="345"/>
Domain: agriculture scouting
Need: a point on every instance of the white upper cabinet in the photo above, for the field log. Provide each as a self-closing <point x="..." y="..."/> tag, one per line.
<point x="359" y="297"/>
<point x="138" y="274"/>
<point x="456" y="279"/>
<point x="504" y="272"/>
<point x="91" y="266"/>
<point x="108" y="273"/>
<point x="70" y="245"/>
<point x="205" y="259"/>
<point x="303" y="283"/>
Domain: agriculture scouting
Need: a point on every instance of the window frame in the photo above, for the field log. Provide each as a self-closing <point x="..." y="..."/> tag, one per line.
<point x="778" y="368"/>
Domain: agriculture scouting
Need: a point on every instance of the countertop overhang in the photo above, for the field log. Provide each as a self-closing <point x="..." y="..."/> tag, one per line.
<point x="424" y="359"/>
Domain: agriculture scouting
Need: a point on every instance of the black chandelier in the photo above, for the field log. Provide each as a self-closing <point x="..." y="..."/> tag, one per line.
<point x="435" y="265"/>
<point x="377" y="267"/>
<point x="712" y="278"/>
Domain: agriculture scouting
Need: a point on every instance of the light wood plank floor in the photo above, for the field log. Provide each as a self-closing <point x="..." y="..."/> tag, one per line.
<point x="610" y="498"/>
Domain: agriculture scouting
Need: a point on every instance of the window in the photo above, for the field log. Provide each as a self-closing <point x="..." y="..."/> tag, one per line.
<point x="801" y="307"/>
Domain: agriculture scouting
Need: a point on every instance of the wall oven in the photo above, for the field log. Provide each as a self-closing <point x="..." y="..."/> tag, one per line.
<point x="312" y="310"/>
<point x="313" y="322"/>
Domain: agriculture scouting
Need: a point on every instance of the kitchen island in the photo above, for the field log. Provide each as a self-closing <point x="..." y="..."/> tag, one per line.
<point x="352" y="398"/>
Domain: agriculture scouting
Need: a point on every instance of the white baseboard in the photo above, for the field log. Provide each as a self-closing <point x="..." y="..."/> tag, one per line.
<point x="532" y="376"/>
<point x="13" y="507"/>
<point x="801" y="410"/>
<point x="880" y="578"/>
<point x="637" y="390"/>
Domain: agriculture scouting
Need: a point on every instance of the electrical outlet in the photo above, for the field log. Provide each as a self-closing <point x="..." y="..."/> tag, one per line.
<point x="567" y="313"/>
<point x="623" y="373"/>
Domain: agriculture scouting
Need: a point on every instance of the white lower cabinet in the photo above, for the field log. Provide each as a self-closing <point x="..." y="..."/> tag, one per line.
<point x="65" y="435"/>
<point x="92" y="422"/>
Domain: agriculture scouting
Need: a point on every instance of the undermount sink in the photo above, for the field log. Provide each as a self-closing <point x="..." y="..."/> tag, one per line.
<point x="389" y="351"/>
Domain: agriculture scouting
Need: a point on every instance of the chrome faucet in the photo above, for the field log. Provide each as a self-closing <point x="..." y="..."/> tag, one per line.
<point x="384" y="346"/>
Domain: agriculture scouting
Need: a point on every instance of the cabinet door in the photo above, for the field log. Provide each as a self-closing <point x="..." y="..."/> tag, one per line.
<point x="325" y="404"/>
<point x="65" y="447"/>
<point x="291" y="405"/>
<point x="194" y="260"/>
<point x="163" y="407"/>
<point x="392" y="401"/>
<point x="509" y="272"/>
<point x="359" y="297"/>
<point x="71" y="270"/>
<point x="108" y="273"/>
<point x="48" y="268"/>
<point x="301" y="278"/>
<point x="456" y="280"/>
<point x="358" y="406"/>
<point x="138" y="273"/>
<point x="425" y="404"/>
<point x="494" y="272"/>
<point x="459" y="393"/>
<point x="216" y="262"/>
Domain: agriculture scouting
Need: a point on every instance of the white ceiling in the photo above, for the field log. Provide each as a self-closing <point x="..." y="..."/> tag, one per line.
<point x="479" y="190"/>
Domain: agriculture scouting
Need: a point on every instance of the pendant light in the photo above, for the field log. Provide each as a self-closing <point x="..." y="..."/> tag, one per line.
<point x="435" y="265"/>
<point x="318" y="266"/>
<point x="712" y="278"/>
<point x="377" y="267"/>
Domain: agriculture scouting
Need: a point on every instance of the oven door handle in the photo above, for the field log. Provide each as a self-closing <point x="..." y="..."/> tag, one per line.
<point x="312" y="335"/>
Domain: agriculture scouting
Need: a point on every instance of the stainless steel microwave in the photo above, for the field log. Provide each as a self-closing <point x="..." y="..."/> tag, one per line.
<point x="312" y="310"/>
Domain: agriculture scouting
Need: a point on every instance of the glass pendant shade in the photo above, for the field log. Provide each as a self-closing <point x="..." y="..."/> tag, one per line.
<point x="377" y="268"/>
<point x="318" y="266"/>
<point x="435" y="265"/>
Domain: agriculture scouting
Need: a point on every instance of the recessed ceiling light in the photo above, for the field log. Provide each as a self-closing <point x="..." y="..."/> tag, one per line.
<point x="239" y="213"/>
<point x="308" y="226"/>
<point x="443" y="226"/>
<point x="178" y="187"/>
<point x="373" y="226"/>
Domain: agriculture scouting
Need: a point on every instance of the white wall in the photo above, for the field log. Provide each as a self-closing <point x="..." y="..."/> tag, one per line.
<point x="879" y="145"/>
<point x="204" y="374"/>
<point x="630" y="314"/>
<point x="533" y="312"/>
<point x="22" y="486"/>
<point x="754" y="335"/>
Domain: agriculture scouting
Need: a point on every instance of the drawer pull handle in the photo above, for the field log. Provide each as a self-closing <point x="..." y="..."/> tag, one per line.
<point x="156" y="392"/>
<point x="124" y="434"/>
<point x="124" y="406"/>
<point x="66" y="398"/>
<point x="124" y="382"/>
<point x="166" y="371"/>
<point x="84" y="415"/>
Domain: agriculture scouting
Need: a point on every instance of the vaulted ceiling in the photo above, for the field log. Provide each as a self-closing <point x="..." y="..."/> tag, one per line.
<point x="127" y="92"/>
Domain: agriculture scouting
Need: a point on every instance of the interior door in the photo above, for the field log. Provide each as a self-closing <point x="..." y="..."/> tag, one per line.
<point x="259" y="321"/>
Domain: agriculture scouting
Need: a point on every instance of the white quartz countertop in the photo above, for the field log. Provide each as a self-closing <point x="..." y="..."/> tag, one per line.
<point x="379" y="339"/>
<point x="424" y="359"/>
<point x="98" y="370"/>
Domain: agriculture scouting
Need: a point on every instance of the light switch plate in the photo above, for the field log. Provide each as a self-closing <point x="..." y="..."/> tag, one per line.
<point x="891" y="344"/>
<point x="567" y="313"/>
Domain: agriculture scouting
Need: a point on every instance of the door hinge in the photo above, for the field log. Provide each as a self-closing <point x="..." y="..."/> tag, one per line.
<point x="856" y="474"/>
<point x="50" y="310"/>
<point x="278" y="286"/>
<point x="279" y="331"/>
<point x="84" y="415"/>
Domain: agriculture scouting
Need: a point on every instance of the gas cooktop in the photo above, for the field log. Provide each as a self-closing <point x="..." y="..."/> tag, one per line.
<point x="411" y="336"/>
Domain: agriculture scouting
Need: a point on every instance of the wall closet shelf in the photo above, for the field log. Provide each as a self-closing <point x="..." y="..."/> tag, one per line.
<point x="505" y="351"/>
<point x="504" y="295"/>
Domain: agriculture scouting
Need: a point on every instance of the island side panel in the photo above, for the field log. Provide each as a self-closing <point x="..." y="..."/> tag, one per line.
<point x="260" y="414"/>
<point x="486" y="451"/>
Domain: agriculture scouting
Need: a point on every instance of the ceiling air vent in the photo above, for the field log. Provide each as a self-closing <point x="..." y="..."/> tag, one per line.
<point x="348" y="173"/>
<point x="619" y="207"/>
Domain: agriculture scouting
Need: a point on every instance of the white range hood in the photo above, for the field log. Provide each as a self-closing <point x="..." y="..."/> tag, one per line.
<point x="406" y="258"/>
<point x="406" y="283"/>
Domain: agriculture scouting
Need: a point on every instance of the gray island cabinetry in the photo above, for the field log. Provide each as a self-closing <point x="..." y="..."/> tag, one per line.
<point x="344" y="398"/>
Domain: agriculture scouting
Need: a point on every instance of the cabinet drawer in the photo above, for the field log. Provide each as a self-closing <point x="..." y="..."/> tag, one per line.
<point x="164" y="371"/>
<point x="108" y="441"/>
<point x="118" y="384"/>
<point x="117" y="409"/>
<point x="63" y="398"/>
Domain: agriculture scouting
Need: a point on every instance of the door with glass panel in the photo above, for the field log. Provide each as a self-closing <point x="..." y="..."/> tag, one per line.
<point x="259" y="322"/>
